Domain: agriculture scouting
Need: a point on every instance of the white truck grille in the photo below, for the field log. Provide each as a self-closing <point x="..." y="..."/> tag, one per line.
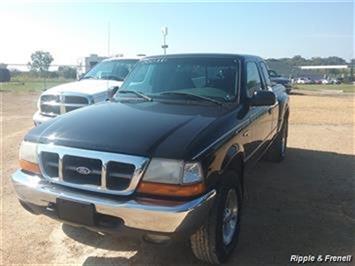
<point x="53" y="105"/>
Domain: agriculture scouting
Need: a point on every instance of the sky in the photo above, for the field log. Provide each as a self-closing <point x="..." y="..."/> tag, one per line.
<point x="271" y="29"/>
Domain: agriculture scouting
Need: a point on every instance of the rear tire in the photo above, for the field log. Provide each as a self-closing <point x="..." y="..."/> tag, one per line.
<point x="216" y="239"/>
<point x="277" y="151"/>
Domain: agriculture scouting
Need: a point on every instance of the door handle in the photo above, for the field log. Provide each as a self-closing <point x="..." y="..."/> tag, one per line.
<point x="246" y="133"/>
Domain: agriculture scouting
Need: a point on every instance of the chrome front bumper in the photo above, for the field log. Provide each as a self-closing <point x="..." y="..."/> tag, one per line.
<point x="38" y="118"/>
<point x="156" y="216"/>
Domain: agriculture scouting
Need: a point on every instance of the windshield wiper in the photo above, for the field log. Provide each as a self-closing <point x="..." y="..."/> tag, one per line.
<point x="139" y="94"/>
<point x="192" y="95"/>
<point x="88" y="77"/>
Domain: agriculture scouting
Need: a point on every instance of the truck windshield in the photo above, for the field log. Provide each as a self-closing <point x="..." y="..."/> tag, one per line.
<point x="111" y="70"/>
<point x="180" y="78"/>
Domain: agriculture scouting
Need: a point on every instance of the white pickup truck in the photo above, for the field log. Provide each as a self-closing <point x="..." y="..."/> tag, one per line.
<point x="97" y="85"/>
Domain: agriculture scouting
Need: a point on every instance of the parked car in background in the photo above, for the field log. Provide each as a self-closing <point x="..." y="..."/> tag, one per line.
<point x="286" y="82"/>
<point x="303" y="80"/>
<point x="165" y="158"/>
<point x="317" y="81"/>
<point x="97" y="85"/>
<point x="325" y="81"/>
<point x="335" y="81"/>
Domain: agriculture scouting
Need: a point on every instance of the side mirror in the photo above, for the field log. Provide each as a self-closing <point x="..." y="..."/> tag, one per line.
<point x="111" y="92"/>
<point x="80" y="76"/>
<point x="262" y="98"/>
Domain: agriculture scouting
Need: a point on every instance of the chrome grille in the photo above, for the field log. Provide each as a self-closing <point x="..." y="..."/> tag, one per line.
<point x="118" y="175"/>
<point x="59" y="104"/>
<point x="51" y="165"/>
<point x="72" y="163"/>
<point x="50" y="98"/>
<point x="50" y="109"/>
<point x="107" y="172"/>
<point x="76" y="100"/>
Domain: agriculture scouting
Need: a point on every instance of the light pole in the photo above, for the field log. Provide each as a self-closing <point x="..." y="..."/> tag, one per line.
<point x="108" y="38"/>
<point x="164" y="31"/>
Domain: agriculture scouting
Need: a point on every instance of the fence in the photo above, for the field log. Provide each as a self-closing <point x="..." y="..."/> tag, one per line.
<point x="17" y="77"/>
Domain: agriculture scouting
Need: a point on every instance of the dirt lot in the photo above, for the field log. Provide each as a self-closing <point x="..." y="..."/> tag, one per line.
<point x="304" y="205"/>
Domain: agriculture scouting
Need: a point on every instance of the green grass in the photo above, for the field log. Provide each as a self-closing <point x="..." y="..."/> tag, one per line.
<point x="19" y="85"/>
<point x="317" y="87"/>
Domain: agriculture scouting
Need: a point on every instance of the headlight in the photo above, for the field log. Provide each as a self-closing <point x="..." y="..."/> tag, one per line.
<point x="172" y="178"/>
<point x="28" y="157"/>
<point x="173" y="172"/>
<point x="39" y="103"/>
<point x="28" y="152"/>
<point x="164" y="171"/>
<point x="192" y="173"/>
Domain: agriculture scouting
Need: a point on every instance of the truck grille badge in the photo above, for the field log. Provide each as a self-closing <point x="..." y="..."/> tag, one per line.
<point x="83" y="170"/>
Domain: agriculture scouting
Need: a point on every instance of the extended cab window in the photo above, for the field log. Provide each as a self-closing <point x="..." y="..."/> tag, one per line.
<point x="265" y="73"/>
<point x="214" y="78"/>
<point x="273" y="74"/>
<point x="253" y="81"/>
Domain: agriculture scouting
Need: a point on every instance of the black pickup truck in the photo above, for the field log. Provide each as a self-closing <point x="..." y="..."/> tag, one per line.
<point x="165" y="158"/>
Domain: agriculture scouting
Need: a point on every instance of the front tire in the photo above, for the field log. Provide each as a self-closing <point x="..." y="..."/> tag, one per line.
<point x="216" y="239"/>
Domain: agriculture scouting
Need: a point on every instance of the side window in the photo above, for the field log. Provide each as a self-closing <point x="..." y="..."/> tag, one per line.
<point x="265" y="73"/>
<point x="253" y="79"/>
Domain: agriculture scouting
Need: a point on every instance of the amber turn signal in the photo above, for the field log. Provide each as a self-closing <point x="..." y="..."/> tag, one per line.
<point x="30" y="167"/>
<point x="170" y="189"/>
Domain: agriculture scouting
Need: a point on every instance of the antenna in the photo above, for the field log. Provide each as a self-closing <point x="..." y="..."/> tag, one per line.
<point x="164" y="31"/>
<point x="108" y="38"/>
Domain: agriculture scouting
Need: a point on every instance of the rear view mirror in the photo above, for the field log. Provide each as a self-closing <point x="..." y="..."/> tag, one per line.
<point x="262" y="98"/>
<point x="80" y="76"/>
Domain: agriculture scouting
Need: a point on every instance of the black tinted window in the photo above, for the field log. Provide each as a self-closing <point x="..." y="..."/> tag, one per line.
<point x="253" y="82"/>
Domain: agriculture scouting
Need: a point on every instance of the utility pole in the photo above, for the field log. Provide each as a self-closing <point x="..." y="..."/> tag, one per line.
<point x="164" y="31"/>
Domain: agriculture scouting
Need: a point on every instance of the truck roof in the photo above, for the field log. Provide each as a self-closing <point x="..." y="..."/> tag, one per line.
<point x="117" y="58"/>
<point x="216" y="55"/>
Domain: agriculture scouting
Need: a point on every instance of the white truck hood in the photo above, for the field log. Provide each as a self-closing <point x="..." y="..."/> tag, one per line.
<point x="86" y="86"/>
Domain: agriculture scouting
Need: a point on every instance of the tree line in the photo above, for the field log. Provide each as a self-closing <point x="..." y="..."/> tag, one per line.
<point x="41" y="61"/>
<point x="291" y="66"/>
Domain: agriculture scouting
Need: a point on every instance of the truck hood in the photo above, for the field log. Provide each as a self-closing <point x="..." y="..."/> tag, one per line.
<point x="86" y="86"/>
<point x="151" y="129"/>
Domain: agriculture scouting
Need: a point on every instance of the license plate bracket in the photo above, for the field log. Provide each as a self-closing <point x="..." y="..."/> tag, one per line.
<point x="76" y="211"/>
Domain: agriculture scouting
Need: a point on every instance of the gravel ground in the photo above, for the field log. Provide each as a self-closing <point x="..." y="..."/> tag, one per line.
<point x="305" y="205"/>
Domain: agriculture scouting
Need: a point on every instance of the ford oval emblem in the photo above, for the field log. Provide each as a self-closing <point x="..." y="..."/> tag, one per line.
<point x="83" y="170"/>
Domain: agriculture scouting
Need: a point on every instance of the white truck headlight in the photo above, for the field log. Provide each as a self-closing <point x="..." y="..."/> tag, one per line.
<point x="28" y="152"/>
<point x="28" y="157"/>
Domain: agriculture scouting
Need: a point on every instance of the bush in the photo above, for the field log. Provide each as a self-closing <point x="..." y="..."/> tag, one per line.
<point x="67" y="72"/>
